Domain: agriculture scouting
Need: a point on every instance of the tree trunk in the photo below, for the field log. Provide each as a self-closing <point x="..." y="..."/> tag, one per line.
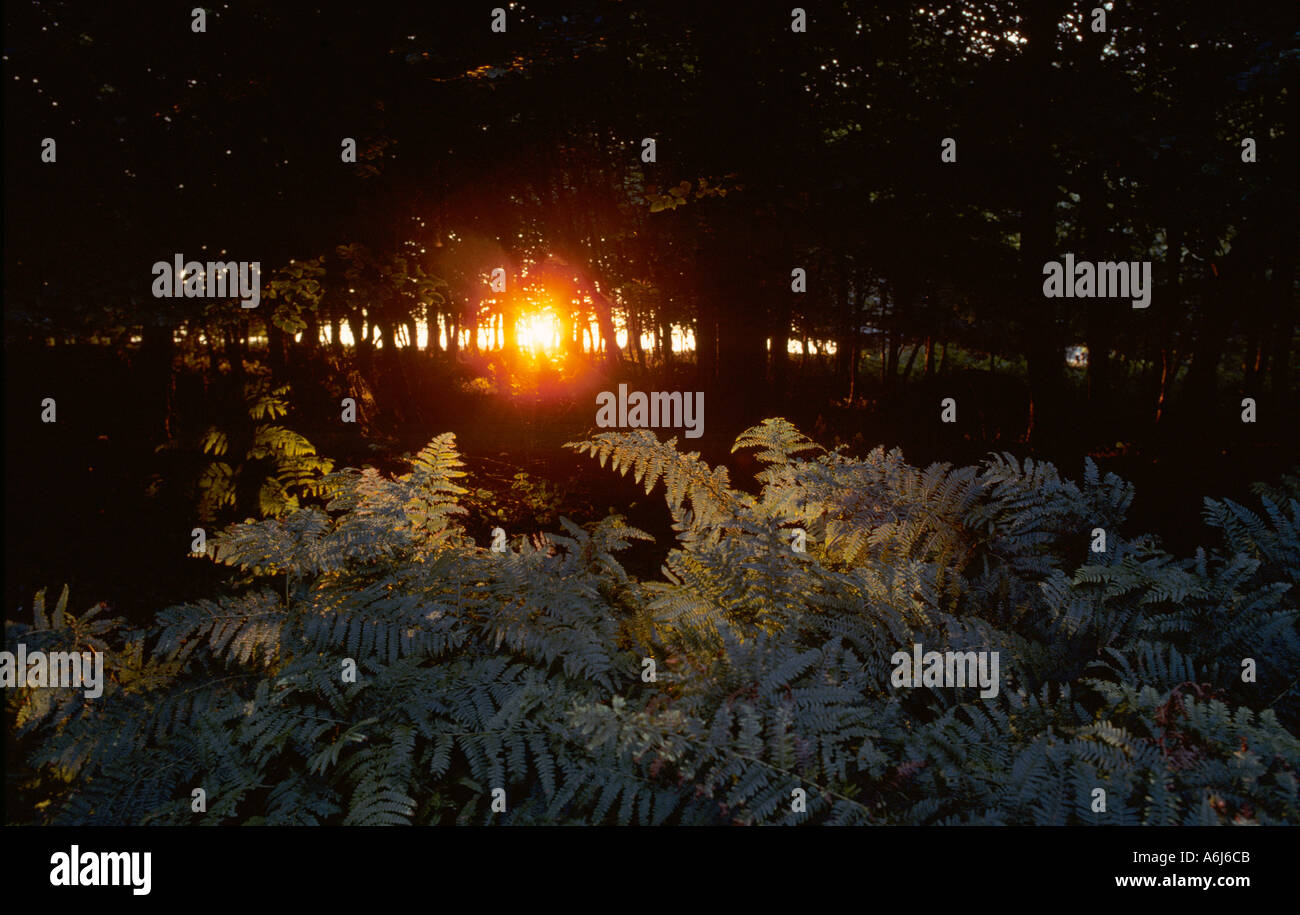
<point x="336" y="341"/>
<point x="1173" y="296"/>
<point x="1044" y="347"/>
<point x="891" y="357"/>
<point x="311" y="334"/>
<point x="706" y="344"/>
<point x="156" y="352"/>
<point x="277" y="356"/>
<point x="1100" y="313"/>
<point x="1170" y="362"/>
<point x="1213" y="328"/>
<point x="855" y="356"/>
<point x="452" y="326"/>
<point x="210" y="335"/>
<point x="781" y="343"/>
<point x="604" y="309"/>
<point x="634" y="336"/>
<point x="1284" y="311"/>
<point x="474" y="320"/>
<point x="1283" y="287"/>
<point x="413" y="339"/>
<point x="234" y="347"/>
<point x="907" y="371"/>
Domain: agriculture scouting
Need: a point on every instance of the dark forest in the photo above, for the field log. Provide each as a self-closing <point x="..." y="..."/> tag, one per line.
<point x="672" y="413"/>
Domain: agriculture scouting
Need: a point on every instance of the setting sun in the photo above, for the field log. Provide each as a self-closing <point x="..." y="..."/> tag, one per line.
<point x="537" y="331"/>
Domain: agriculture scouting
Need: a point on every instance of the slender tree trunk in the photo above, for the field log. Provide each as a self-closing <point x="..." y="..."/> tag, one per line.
<point x="1100" y="313"/>
<point x="451" y="324"/>
<point x="1169" y="357"/>
<point x="1282" y="292"/>
<point x="1213" y="328"/>
<point x="311" y="334"/>
<point x="855" y="353"/>
<point x="277" y="350"/>
<point x="156" y="352"/>
<point x="570" y="333"/>
<point x="604" y="310"/>
<point x="1170" y="363"/>
<point x="336" y="340"/>
<point x="1284" y="312"/>
<point x="1044" y="347"/>
<point x="210" y="335"/>
<point x="907" y="371"/>
<point x="895" y="347"/>
<point x="706" y="343"/>
<point x="634" y="336"/>
<point x="412" y="339"/>
<point x="235" y="353"/>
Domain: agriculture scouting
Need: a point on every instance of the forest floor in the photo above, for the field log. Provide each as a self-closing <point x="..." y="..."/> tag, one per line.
<point x="91" y="501"/>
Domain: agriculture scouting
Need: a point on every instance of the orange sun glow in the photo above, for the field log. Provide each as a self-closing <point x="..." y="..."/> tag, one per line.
<point x="536" y="331"/>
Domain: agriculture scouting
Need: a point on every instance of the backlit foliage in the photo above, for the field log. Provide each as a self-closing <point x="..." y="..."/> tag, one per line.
<point x="523" y="671"/>
<point x="260" y="468"/>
